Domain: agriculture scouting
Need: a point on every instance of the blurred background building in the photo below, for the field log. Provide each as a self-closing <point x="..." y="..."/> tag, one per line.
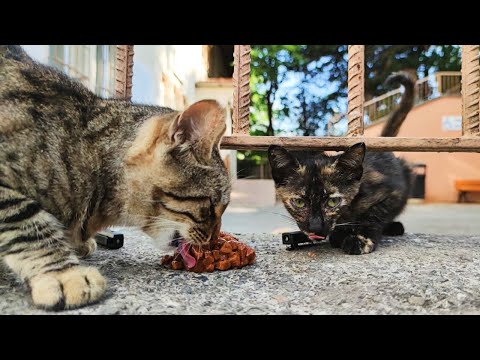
<point x="174" y="76"/>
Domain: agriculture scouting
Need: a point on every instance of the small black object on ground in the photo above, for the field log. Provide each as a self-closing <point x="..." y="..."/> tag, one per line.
<point x="296" y="239"/>
<point x="109" y="239"/>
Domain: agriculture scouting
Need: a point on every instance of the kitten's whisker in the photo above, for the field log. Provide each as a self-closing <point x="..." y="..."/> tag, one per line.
<point x="287" y="217"/>
<point x="238" y="172"/>
<point x="284" y="215"/>
<point x="348" y="224"/>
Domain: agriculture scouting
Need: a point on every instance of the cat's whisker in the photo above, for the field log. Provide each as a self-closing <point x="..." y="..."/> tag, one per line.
<point x="240" y="171"/>
<point x="159" y="223"/>
<point x="348" y="224"/>
<point x="291" y="222"/>
<point x="148" y="217"/>
<point x="233" y="181"/>
<point x="162" y="227"/>
<point x="286" y="217"/>
<point x="36" y="229"/>
<point x="176" y="256"/>
<point x="187" y="249"/>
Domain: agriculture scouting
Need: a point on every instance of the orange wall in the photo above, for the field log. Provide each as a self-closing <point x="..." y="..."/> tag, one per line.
<point x="442" y="168"/>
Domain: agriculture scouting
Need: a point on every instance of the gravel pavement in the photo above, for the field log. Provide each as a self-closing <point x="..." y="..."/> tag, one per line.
<point x="412" y="274"/>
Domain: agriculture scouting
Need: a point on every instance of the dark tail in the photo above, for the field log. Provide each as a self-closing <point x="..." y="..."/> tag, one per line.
<point x="395" y="120"/>
<point x="14" y="52"/>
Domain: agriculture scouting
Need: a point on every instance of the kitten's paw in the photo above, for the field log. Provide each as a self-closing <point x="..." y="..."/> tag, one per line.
<point x="68" y="289"/>
<point x="87" y="248"/>
<point x="358" y="245"/>
<point x="336" y="239"/>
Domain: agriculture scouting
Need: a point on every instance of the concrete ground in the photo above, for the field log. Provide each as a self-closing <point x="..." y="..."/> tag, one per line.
<point x="412" y="274"/>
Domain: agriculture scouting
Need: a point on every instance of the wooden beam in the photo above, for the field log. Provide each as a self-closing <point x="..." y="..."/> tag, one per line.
<point x="241" y="92"/>
<point x="356" y="80"/>
<point x="124" y="71"/>
<point x="261" y="143"/>
<point x="470" y="90"/>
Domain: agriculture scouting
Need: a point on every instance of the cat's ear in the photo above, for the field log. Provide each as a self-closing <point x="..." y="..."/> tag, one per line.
<point x="199" y="128"/>
<point x="351" y="161"/>
<point x="282" y="162"/>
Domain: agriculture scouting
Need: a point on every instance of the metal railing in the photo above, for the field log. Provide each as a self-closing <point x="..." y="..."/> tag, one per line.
<point x="429" y="88"/>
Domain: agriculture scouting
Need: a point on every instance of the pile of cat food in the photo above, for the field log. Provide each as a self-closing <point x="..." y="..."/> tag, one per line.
<point x="227" y="252"/>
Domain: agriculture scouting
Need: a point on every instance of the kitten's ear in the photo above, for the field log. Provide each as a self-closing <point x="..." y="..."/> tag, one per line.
<point x="200" y="128"/>
<point x="282" y="162"/>
<point x="351" y="160"/>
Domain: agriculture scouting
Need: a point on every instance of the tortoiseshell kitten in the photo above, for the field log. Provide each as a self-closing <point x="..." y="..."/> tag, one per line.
<point x="351" y="198"/>
<point x="72" y="163"/>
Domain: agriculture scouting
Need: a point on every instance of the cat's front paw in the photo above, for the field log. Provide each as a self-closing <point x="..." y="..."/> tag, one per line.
<point x="68" y="289"/>
<point x="336" y="239"/>
<point x="358" y="245"/>
<point x="86" y="249"/>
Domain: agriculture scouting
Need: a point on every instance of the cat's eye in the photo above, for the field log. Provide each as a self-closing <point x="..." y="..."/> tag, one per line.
<point x="333" y="202"/>
<point x="299" y="203"/>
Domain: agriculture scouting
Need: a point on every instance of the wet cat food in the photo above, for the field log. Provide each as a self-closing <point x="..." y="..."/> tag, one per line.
<point x="225" y="253"/>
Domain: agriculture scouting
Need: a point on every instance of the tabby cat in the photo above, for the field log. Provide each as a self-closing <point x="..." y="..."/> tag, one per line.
<point x="72" y="163"/>
<point x="351" y="198"/>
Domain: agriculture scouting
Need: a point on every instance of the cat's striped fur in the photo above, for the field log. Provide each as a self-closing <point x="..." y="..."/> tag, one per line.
<point x="72" y="163"/>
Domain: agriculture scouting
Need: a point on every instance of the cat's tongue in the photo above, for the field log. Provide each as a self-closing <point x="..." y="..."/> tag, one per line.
<point x="188" y="259"/>
<point x="315" y="237"/>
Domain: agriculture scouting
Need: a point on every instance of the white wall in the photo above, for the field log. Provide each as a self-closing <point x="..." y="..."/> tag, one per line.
<point x="190" y="67"/>
<point x="146" y="75"/>
<point x="183" y="64"/>
<point x="37" y="52"/>
<point x="41" y="54"/>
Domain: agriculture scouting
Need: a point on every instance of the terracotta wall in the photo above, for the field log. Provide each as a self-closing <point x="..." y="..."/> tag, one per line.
<point x="442" y="168"/>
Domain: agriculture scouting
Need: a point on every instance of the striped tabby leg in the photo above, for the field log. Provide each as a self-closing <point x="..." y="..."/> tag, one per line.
<point x="33" y="245"/>
<point x="86" y="249"/>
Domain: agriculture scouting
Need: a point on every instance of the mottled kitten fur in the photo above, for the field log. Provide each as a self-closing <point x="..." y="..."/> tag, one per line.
<point x="72" y="163"/>
<point x="353" y="197"/>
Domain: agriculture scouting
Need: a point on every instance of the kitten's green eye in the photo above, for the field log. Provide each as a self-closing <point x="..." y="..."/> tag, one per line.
<point x="299" y="203"/>
<point x="333" y="202"/>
